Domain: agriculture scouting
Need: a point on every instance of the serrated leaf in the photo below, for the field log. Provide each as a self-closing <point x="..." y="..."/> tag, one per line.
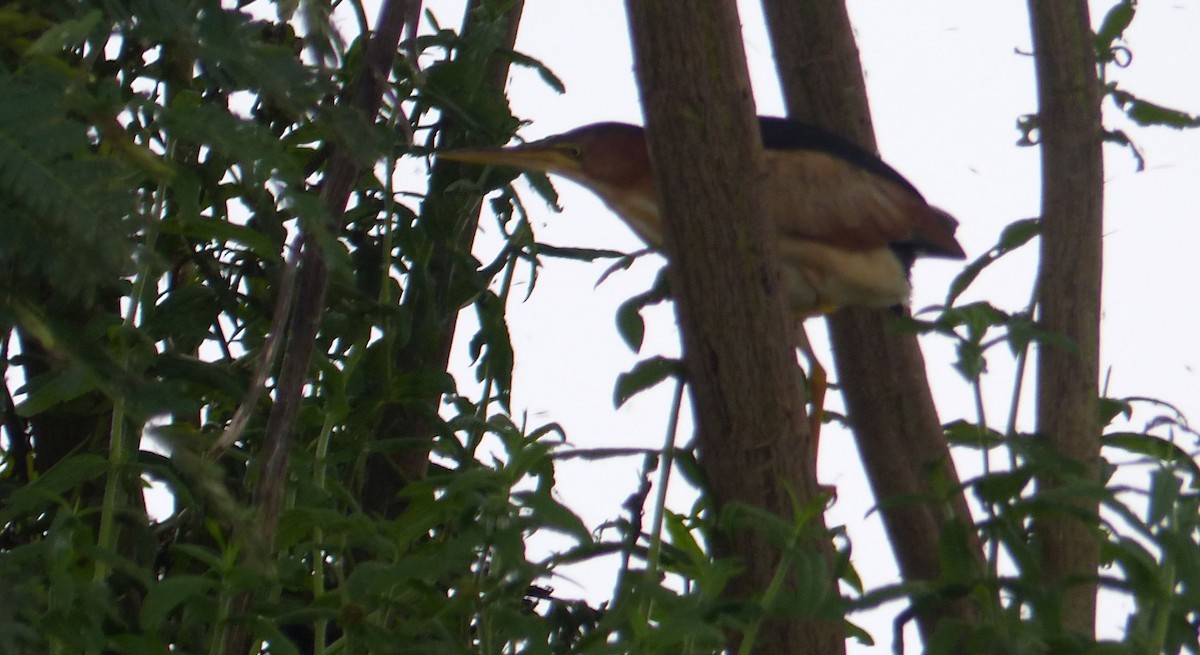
<point x="977" y="317"/>
<point x="646" y="374"/>
<point x="541" y="184"/>
<point x="1147" y="113"/>
<point x="1022" y="330"/>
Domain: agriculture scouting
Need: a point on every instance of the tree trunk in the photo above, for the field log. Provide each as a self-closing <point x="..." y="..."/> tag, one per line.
<point x="755" y="447"/>
<point x="882" y="373"/>
<point x="1069" y="286"/>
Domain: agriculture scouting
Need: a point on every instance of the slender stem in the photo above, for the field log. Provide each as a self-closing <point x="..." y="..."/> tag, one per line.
<point x="224" y="610"/>
<point x="993" y="545"/>
<point x="666" y="463"/>
<point x="318" y="552"/>
<point x="120" y="441"/>
<point x="1162" y="611"/>
<point x="773" y="589"/>
<point x="1010" y="430"/>
<point x="476" y="435"/>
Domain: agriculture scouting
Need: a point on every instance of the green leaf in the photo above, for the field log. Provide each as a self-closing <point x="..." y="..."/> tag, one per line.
<point x="222" y="232"/>
<point x="66" y="34"/>
<point x="682" y="539"/>
<point x="1119" y="137"/>
<point x="955" y="553"/>
<point x="629" y="320"/>
<point x="548" y="513"/>
<point x="66" y="475"/>
<point x="689" y="468"/>
<point x="1155" y="447"/>
<point x="497" y="363"/>
<point x="56" y="388"/>
<point x="543" y="71"/>
<point x="541" y="184"/>
<point x="963" y="433"/>
<point x="1142" y="571"/>
<point x="1111" y="408"/>
<point x="203" y="554"/>
<point x="1018" y="233"/>
<point x="1165" y="488"/>
<point x="855" y="632"/>
<point x="268" y="630"/>
<point x="1015" y="235"/>
<point x="630" y="324"/>
<point x="67" y="213"/>
<point x="577" y="254"/>
<point x="1147" y="113"/>
<point x="167" y="594"/>
<point x="977" y="317"/>
<point x="1002" y="487"/>
<point x="647" y="373"/>
<point x="1022" y="330"/>
<point x="1113" y="26"/>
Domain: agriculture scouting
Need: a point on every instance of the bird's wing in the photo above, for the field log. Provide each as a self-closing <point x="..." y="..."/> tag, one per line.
<point x="826" y="199"/>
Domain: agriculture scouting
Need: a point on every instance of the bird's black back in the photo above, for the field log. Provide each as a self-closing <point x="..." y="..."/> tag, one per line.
<point x="787" y="134"/>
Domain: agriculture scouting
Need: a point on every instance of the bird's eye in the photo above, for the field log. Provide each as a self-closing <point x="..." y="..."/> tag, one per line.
<point x="571" y="150"/>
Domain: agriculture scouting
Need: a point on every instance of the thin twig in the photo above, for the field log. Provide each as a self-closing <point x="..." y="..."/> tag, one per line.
<point x="283" y="307"/>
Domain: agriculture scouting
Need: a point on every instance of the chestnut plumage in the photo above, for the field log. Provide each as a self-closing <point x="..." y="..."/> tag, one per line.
<point x="850" y="226"/>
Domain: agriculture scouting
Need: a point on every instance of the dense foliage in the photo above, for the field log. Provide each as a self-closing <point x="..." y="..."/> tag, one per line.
<point x="160" y="165"/>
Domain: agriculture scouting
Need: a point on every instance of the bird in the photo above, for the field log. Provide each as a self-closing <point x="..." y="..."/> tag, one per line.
<point x="849" y="225"/>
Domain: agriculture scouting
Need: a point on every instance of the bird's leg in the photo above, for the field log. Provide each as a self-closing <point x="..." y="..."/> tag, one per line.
<point x="818" y="382"/>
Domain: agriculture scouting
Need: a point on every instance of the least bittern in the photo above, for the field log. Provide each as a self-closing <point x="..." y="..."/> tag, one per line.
<point x="849" y="225"/>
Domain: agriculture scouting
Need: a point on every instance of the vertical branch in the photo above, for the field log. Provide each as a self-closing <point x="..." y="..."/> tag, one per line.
<point x="1069" y="285"/>
<point x="454" y="218"/>
<point x="312" y="281"/>
<point x="755" y="447"/>
<point x="365" y="95"/>
<point x="882" y="373"/>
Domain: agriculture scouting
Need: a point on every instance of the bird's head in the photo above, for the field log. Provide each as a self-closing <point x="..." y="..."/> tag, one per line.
<point x="605" y="157"/>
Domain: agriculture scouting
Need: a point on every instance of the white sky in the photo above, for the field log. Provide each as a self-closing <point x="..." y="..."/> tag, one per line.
<point x="946" y="84"/>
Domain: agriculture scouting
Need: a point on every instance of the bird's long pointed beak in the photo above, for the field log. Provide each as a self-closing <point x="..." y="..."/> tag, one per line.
<point x="526" y="157"/>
